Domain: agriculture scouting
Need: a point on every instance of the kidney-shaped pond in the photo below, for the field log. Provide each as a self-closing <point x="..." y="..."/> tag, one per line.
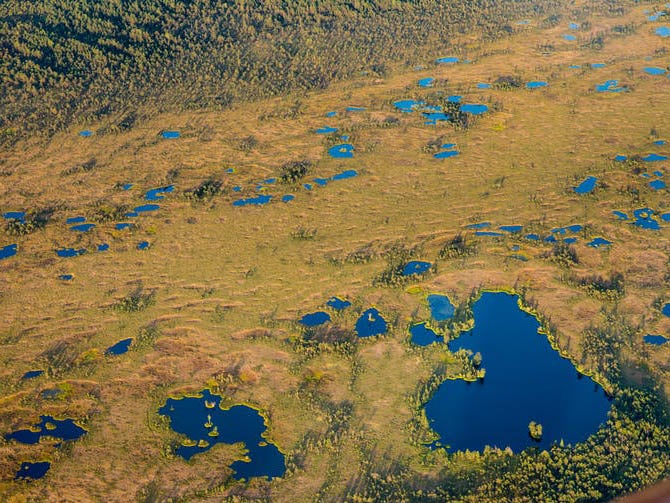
<point x="526" y="380"/>
<point x="202" y="420"/>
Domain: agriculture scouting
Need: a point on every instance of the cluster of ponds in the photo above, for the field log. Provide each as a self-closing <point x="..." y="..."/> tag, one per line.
<point x="368" y="324"/>
<point x="204" y="423"/>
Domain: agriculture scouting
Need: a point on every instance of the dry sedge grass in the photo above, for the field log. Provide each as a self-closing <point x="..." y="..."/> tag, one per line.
<point x="230" y="281"/>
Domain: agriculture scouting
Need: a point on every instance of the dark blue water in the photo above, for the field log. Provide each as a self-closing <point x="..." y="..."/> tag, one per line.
<point x="569" y="228"/>
<point x="103" y="247"/>
<point x="609" y="86"/>
<point x="348" y="173"/>
<point x="143" y="245"/>
<point x="331" y="114"/>
<point x="435" y="117"/>
<point x="535" y="84"/>
<point x="570" y="240"/>
<point x="586" y="186"/>
<point x="446" y="60"/>
<point x="422" y="335"/>
<point x="131" y="214"/>
<point x="408" y="106"/>
<point x="657" y="184"/>
<point x="127" y="186"/>
<point x="257" y="201"/>
<point x="598" y="242"/>
<point x="8" y="251"/>
<point x="427" y="82"/>
<point x="666" y="310"/>
<point x="454" y="98"/>
<point x="123" y="225"/>
<point x="338" y="304"/>
<point x="86" y="133"/>
<point x="170" y="134"/>
<point x="440" y="306"/>
<point x="511" y="228"/>
<point x="620" y="158"/>
<point x="65" y="429"/>
<point x="474" y="109"/>
<point x="31" y="374"/>
<point x="663" y="31"/>
<point x="644" y="218"/>
<point x="146" y="207"/>
<point x="120" y="347"/>
<point x="315" y="319"/>
<point x="532" y="237"/>
<point x="550" y="239"/>
<point x="201" y="419"/>
<point x="66" y="277"/>
<point x="415" y="267"/>
<point x="480" y="225"/>
<point x="326" y="130"/>
<point x="158" y="193"/>
<point x="654" y="70"/>
<point x="15" y="215"/>
<point x="655" y="158"/>
<point x="70" y="252"/>
<point x="75" y="220"/>
<point x="371" y="323"/>
<point x="526" y="380"/>
<point x="343" y="151"/>
<point x="32" y="471"/>
<point x="656" y="340"/>
<point x="446" y="154"/>
<point x="82" y="227"/>
<point x="287" y="198"/>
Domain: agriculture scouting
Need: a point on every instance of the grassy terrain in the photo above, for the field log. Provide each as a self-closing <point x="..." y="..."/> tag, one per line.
<point x="229" y="283"/>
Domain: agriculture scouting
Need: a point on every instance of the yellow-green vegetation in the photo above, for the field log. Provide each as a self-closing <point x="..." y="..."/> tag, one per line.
<point x="215" y="300"/>
<point x="535" y="430"/>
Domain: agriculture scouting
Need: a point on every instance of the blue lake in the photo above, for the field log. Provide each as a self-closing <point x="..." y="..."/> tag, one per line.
<point x="655" y="158"/>
<point x="666" y="310"/>
<point x="598" y="242"/>
<point x="127" y="186"/>
<point x="532" y="237"/>
<point x="447" y="60"/>
<point x="123" y="225"/>
<point x="31" y="374"/>
<point x="610" y="86"/>
<point x="65" y="429"/>
<point x="131" y="214"/>
<point x="8" y="251"/>
<point x="82" y="227"/>
<point x="347" y="173"/>
<point x="103" y="247"/>
<point x="415" y="267"/>
<point x="143" y="245"/>
<point x="315" y="319"/>
<point x="511" y="228"/>
<point x="326" y="130"/>
<point x="15" y="215"/>
<point x="446" y="154"/>
<point x="644" y="218"/>
<point x="656" y="340"/>
<point x="343" y="151"/>
<point x="146" y="207"/>
<point x="663" y="31"/>
<point x="526" y="380"/>
<point x="569" y="38"/>
<point x="480" y="225"/>
<point x="586" y="186"/>
<point x="570" y="240"/>
<point x="120" y="347"/>
<point x="66" y="277"/>
<point x="355" y="109"/>
<point x="569" y="228"/>
<point x="474" y="109"/>
<point x="421" y="335"/>
<point x="654" y="70"/>
<point x="620" y="158"/>
<point x="86" y="133"/>
<point x="287" y="198"/>
<point x="32" y="471"/>
<point x="338" y="304"/>
<point x="598" y="65"/>
<point x="483" y="85"/>
<point x="257" y="201"/>
<point x="427" y="82"/>
<point x="371" y="323"/>
<point x="535" y="84"/>
<point x="170" y="134"/>
<point x="158" y="193"/>
<point x="331" y="114"/>
<point x="70" y="252"/>
<point x="203" y="421"/>
<point x="75" y="220"/>
<point x="441" y="308"/>
<point x="408" y="106"/>
<point x="573" y="26"/>
<point x="657" y="184"/>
